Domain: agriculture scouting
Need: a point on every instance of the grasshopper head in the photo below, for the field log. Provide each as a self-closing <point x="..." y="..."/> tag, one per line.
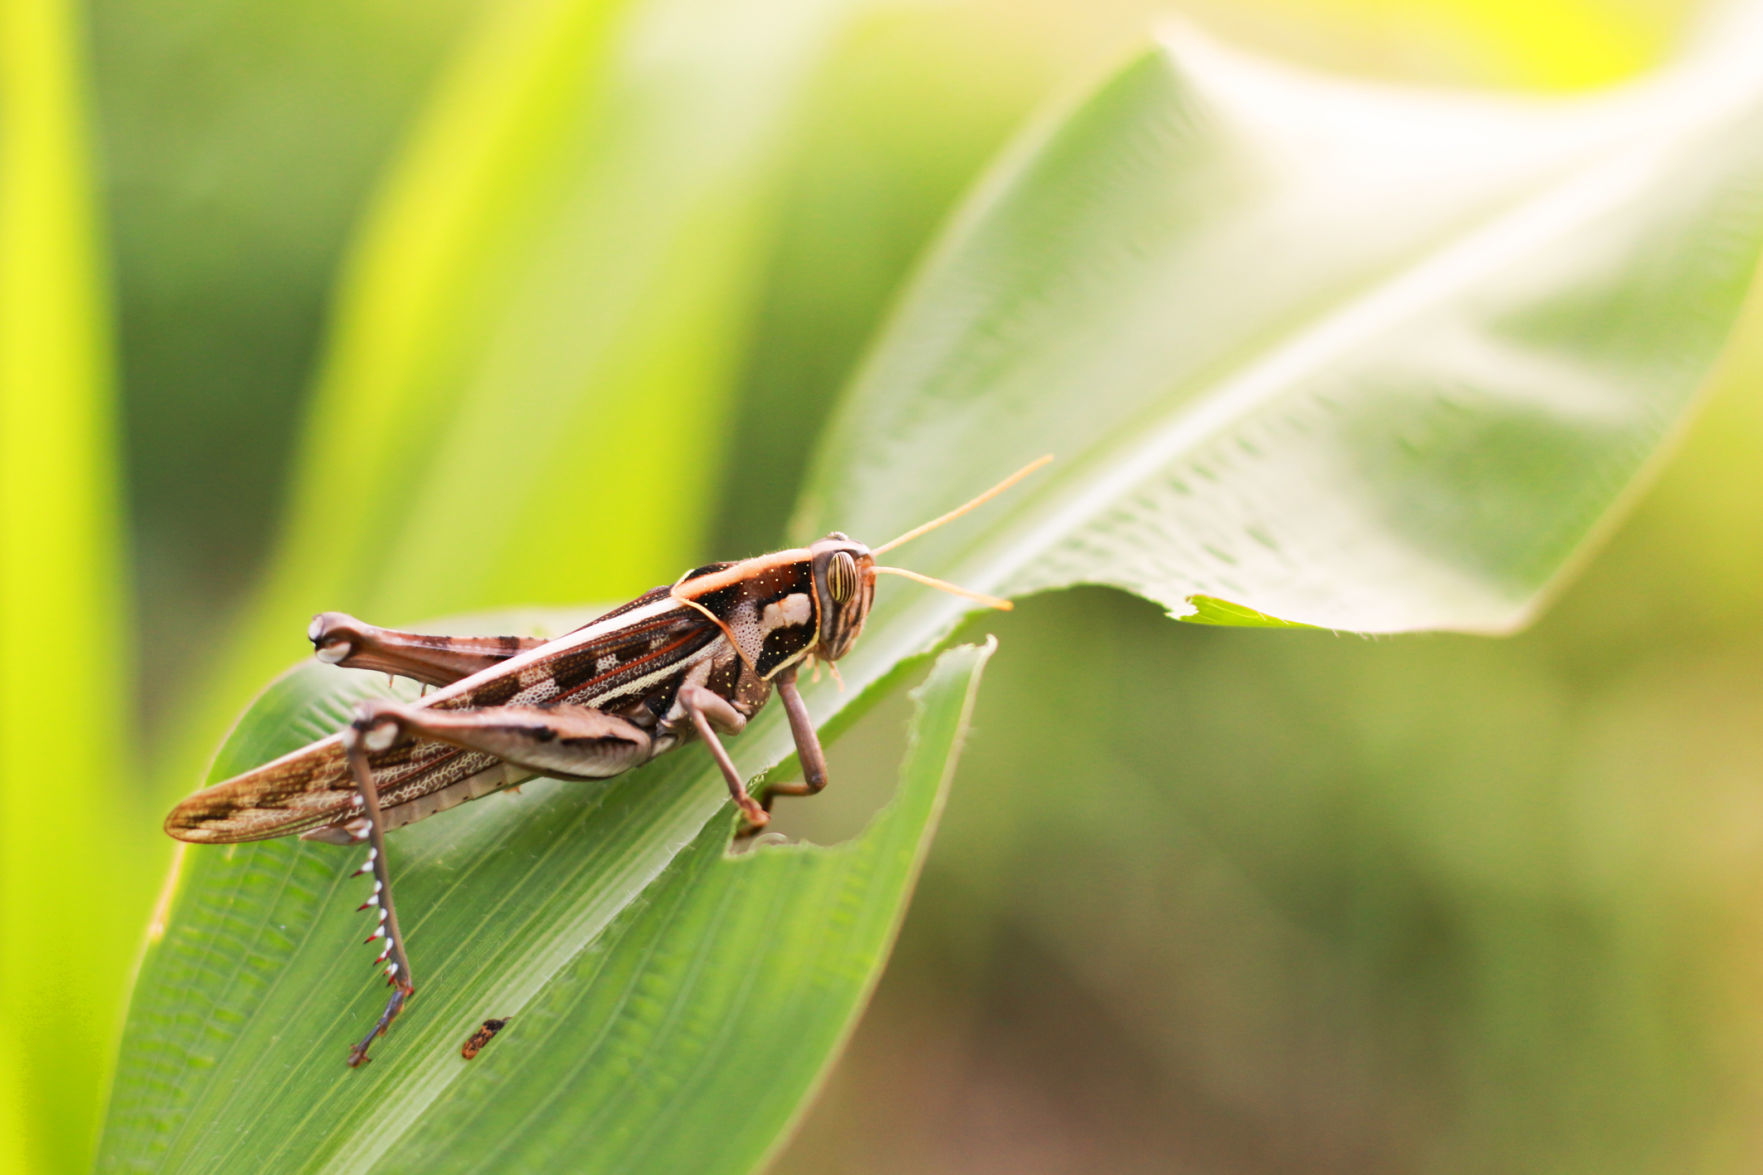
<point x="844" y="586"/>
<point x="845" y="571"/>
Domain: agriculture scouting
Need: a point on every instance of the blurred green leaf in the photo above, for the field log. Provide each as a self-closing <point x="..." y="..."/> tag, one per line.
<point x="669" y="1007"/>
<point x="71" y="890"/>
<point x="545" y="305"/>
<point x="562" y="251"/>
<point x="1360" y="357"/>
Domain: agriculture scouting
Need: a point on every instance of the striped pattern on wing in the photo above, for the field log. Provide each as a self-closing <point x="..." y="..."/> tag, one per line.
<point x="311" y="788"/>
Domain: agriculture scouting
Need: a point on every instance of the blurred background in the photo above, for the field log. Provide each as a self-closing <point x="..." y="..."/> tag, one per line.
<point x="1204" y="900"/>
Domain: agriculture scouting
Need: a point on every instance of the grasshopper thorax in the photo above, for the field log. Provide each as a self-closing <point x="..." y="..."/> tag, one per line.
<point x="844" y="587"/>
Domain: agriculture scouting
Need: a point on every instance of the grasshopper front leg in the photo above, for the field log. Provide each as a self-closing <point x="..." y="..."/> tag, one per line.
<point x="340" y="639"/>
<point x="570" y="741"/>
<point x="710" y="712"/>
<point x="808" y="749"/>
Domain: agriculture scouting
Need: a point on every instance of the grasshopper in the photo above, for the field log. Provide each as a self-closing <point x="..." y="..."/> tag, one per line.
<point x="682" y="661"/>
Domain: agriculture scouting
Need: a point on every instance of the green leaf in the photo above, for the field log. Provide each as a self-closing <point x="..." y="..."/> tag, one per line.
<point x="1355" y="356"/>
<point x="669" y="1007"/>
<point x="71" y="880"/>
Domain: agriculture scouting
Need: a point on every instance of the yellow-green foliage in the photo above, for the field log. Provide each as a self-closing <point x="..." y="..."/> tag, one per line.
<point x="71" y="876"/>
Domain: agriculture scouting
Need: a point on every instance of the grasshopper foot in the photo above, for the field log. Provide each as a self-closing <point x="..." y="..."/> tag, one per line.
<point x="358" y="1053"/>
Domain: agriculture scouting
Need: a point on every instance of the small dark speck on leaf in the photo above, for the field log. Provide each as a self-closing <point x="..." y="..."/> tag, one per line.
<point x="477" y="1040"/>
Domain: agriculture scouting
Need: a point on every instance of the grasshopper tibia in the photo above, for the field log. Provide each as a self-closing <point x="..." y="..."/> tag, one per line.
<point x="355" y="739"/>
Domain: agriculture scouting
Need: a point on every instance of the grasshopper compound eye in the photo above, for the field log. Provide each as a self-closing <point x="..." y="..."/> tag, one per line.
<point x="841" y="577"/>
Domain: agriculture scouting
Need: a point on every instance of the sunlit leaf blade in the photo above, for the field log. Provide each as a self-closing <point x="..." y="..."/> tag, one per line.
<point x="669" y="1008"/>
<point x="1360" y="357"/>
<point x="71" y="889"/>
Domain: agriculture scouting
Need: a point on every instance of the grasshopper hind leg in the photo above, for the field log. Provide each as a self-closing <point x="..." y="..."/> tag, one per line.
<point x="340" y="639"/>
<point x="563" y="740"/>
<point x="358" y="740"/>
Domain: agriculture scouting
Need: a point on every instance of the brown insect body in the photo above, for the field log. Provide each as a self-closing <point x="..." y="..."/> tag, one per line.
<point x="678" y="663"/>
<point x="730" y="628"/>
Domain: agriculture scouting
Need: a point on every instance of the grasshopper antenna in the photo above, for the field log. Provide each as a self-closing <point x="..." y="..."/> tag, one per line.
<point x="952" y="516"/>
<point x="944" y="585"/>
